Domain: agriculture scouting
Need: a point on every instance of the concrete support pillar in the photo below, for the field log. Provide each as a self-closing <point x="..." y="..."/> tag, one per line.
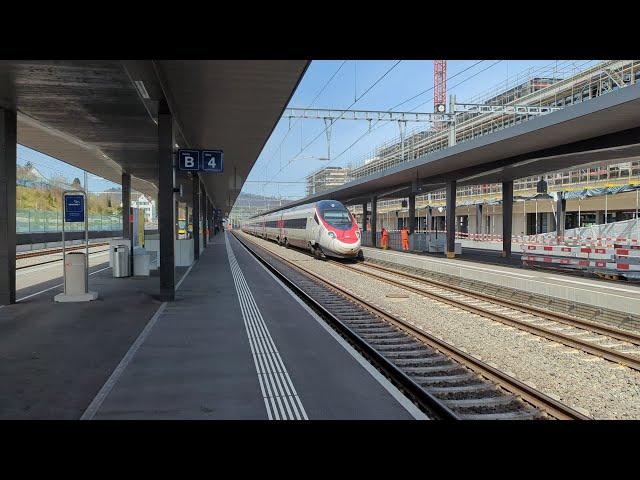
<point x="196" y="216"/>
<point x="561" y="207"/>
<point x="412" y="214"/>
<point x="450" y="219"/>
<point x="429" y="217"/>
<point x="479" y="218"/>
<point x="166" y="202"/>
<point x="374" y="219"/>
<point x="364" y="217"/>
<point x="507" y="217"/>
<point x="127" y="230"/>
<point x="8" y="146"/>
<point x="207" y="221"/>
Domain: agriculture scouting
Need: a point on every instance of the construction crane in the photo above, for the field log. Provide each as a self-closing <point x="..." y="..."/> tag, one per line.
<point x="440" y="90"/>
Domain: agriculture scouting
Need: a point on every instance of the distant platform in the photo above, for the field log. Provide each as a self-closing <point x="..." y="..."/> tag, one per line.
<point x="490" y="267"/>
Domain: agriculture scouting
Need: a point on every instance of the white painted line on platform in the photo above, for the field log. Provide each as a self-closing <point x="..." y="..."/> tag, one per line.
<point x="408" y="405"/>
<point x="457" y="265"/>
<point x="619" y="289"/>
<point x="56" y="286"/>
<point x="266" y="357"/>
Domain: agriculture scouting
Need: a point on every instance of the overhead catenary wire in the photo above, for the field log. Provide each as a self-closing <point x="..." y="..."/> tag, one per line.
<point x="417" y="106"/>
<point x="389" y="70"/>
<point x="326" y="84"/>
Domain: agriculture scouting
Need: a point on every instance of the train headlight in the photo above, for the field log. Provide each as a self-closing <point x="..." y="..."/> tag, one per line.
<point x="331" y="234"/>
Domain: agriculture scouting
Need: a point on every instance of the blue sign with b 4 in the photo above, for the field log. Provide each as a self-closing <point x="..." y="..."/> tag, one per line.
<point x="207" y="161"/>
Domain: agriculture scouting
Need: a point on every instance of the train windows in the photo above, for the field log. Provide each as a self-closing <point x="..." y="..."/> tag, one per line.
<point x="335" y="214"/>
<point x="296" y="223"/>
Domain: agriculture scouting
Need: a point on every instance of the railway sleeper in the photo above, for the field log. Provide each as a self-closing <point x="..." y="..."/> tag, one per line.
<point x="434" y="359"/>
<point x="447" y="368"/>
<point x="402" y="347"/>
<point x="517" y="415"/>
<point x="408" y="355"/>
<point x="478" y="390"/>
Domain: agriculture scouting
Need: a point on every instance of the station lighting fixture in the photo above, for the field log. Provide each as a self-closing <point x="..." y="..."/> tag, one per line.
<point x="141" y="89"/>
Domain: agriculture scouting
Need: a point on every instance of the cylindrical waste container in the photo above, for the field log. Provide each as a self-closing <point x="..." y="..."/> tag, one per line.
<point x="121" y="261"/>
<point x="74" y="273"/>
<point x="141" y="262"/>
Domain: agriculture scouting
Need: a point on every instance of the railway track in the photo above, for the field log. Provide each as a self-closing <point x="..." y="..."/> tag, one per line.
<point x="607" y="342"/>
<point x="51" y="251"/>
<point x="57" y="259"/>
<point x="444" y="381"/>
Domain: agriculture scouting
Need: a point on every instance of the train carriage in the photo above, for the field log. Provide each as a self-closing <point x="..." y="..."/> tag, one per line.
<point x="326" y="228"/>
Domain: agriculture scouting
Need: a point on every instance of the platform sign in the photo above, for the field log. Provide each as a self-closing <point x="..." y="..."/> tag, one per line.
<point x="212" y="161"/>
<point x="74" y="208"/>
<point x="189" y="160"/>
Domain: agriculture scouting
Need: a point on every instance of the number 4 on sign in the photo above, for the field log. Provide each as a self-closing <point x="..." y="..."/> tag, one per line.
<point x="212" y="161"/>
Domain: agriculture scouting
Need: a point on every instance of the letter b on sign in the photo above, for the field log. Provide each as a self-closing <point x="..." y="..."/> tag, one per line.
<point x="189" y="160"/>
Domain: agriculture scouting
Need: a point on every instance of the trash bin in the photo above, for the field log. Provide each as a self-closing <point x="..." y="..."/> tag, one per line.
<point x="141" y="262"/>
<point x="121" y="261"/>
<point x="74" y="273"/>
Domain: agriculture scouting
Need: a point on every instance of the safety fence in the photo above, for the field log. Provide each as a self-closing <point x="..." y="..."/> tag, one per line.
<point x="36" y="221"/>
<point x="619" y="260"/>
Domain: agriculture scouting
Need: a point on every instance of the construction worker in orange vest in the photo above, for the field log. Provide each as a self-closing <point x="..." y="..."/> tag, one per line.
<point x="384" y="238"/>
<point x="404" y="234"/>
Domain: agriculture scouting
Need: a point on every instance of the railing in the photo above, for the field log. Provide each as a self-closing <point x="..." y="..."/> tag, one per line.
<point x="37" y="221"/>
<point x="595" y="81"/>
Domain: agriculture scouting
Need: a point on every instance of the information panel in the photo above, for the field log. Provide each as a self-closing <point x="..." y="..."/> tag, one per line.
<point x="206" y="161"/>
<point x="74" y="208"/>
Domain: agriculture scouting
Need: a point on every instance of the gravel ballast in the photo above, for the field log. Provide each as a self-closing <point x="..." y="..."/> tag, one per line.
<point x="596" y="387"/>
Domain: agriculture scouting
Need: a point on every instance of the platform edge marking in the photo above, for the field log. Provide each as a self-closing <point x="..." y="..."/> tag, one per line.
<point x="409" y="406"/>
<point x="260" y="337"/>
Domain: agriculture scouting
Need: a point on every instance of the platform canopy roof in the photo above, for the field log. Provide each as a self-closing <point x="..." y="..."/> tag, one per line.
<point x="101" y="115"/>
<point x="603" y="130"/>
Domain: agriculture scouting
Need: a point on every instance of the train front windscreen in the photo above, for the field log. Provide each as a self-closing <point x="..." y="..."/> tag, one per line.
<point x="335" y="214"/>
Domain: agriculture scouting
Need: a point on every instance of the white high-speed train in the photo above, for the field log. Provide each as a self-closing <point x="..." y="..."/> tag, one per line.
<point x="326" y="228"/>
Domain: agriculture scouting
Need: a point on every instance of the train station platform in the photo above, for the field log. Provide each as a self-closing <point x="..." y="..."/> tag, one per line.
<point x="621" y="299"/>
<point x="235" y="344"/>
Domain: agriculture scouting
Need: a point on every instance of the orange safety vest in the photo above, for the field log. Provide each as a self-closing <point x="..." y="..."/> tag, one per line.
<point x="404" y="233"/>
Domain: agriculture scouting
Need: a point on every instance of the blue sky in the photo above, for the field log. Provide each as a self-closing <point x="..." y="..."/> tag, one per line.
<point x="50" y="166"/>
<point x="407" y="79"/>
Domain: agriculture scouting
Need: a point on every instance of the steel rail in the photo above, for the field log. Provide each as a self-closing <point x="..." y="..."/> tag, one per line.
<point x="550" y="315"/>
<point x="53" y="261"/>
<point x="603" y="352"/>
<point x="427" y="401"/>
<point x="21" y="255"/>
<point x="534" y="397"/>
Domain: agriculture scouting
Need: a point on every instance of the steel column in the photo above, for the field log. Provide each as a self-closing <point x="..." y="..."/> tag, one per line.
<point x="166" y="202"/>
<point x="374" y="219"/>
<point x="412" y="213"/>
<point x="450" y="219"/>
<point x="364" y="217"/>
<point x="561" y="206"/>
<point x="127" y="230"/>
<point x="196" y="216"/>
<point x="8" y="145"/>
<point x="507" y="217"/>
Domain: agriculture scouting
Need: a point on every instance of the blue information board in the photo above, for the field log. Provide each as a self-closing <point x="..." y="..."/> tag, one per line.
<point x="212" y="161"/>
<point x="206" y="161"/>
<point x="74" y="208"/>
<point x="189" y="160"/>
